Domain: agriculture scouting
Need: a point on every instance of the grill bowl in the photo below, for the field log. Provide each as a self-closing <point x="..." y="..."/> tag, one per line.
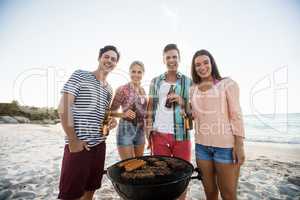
<point x="168" y="188"/>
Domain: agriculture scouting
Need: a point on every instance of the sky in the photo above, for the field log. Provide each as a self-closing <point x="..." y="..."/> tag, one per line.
<point x="256" y="43"/>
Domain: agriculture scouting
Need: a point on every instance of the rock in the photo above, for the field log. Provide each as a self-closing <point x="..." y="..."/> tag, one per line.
<point x="5" y="194"/>
<point x="21" y="119"/>
<point x="8" y="120"/>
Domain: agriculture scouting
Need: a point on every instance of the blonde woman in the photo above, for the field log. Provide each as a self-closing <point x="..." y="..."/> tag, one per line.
<point x="132" y="99"/>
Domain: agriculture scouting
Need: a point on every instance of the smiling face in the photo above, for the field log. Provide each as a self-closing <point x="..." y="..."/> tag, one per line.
<point x="171" y="59"/>
<point x="108" y="61"/>
<point x="203" y="66"/>
<point x="136" y="73"/>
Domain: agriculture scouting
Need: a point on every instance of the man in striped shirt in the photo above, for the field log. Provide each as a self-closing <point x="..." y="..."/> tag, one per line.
<point x="85" y="99"/>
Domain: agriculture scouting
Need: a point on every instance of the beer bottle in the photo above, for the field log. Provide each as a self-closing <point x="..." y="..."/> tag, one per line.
<point x="105" y="128"/>
<point x="168" y="102"/>
<point x="133" y="108"/>
<point x="107" y="117"/>
<point x="188" y="121"/>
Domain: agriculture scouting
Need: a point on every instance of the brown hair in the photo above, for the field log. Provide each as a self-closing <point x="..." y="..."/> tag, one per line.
<point x="214" y="69"/>
<point x="109" y="48"/>
<point x="169" y="47"/>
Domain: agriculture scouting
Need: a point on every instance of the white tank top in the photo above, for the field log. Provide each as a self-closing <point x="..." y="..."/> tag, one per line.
<point x="164" y="118"/>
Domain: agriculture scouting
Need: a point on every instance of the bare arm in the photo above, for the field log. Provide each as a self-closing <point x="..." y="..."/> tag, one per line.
<point x="66" y="116"/>
<point x="236" y="121"/>
<point x="117" y="100"/>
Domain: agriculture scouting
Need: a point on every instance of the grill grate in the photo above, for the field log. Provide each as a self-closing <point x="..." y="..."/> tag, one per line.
<point x="179" y="169"/>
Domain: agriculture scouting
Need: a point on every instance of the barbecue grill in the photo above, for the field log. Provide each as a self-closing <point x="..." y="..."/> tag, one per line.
<point x="167" y="187"/>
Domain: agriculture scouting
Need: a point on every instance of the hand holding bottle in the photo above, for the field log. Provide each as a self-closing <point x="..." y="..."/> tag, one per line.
<point x="171" y="92"/>
<point x="175" y="98"/>
<point x="112" y="123"/>
<point x="129" y="114"/>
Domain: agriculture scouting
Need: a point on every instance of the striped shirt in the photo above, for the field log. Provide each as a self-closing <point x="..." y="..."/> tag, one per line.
<point x="92" y="100"/>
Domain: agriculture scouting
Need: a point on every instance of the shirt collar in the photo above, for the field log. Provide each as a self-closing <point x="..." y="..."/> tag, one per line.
<point x="164" y="75"/>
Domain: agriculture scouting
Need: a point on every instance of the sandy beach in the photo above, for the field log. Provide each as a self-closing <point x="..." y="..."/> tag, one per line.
<point x="30" y="159"/>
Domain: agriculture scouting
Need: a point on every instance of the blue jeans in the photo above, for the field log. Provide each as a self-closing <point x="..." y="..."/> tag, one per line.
<point x="216" y="154"/>
<point x="128" y="134"/>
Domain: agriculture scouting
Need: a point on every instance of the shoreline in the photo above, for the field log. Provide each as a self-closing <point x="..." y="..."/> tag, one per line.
<point x="274" y="151"/>
<point x="284" y="152"/>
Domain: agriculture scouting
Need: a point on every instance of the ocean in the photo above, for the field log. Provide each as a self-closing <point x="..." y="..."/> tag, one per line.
<point x="269" y="128"/>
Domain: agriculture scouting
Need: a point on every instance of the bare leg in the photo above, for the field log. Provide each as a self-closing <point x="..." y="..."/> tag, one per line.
<point x="88" y="195"/>
<point x="126" y="152"/>
<point x="182" y="196"/>
<point x="227" y="177"/>
<point x="209" y="179"/>
<point x="139" y="150"/>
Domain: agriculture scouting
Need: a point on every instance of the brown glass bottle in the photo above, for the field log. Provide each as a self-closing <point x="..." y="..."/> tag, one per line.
<point x="105" y="128"/>
<point x="133" y="108"/>
<point x="188" y="121"/>
<point x="169" y="104"/>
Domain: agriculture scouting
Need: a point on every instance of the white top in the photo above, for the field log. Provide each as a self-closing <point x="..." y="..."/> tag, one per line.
<point x="164" y="122"/>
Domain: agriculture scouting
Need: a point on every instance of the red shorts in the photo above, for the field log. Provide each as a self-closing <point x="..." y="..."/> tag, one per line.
<point x="81" y="171"/>
<point x="166" y="145"/>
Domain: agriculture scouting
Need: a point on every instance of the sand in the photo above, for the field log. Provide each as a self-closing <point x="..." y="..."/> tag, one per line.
<point x="30" y="160"/>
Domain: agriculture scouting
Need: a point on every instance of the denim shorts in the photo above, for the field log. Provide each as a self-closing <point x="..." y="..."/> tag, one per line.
<point x="128" y="134"/>
<point x="216" y="154"/>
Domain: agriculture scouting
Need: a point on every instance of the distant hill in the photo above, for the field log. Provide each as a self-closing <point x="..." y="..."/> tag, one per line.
<point x="32" y="113"/>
